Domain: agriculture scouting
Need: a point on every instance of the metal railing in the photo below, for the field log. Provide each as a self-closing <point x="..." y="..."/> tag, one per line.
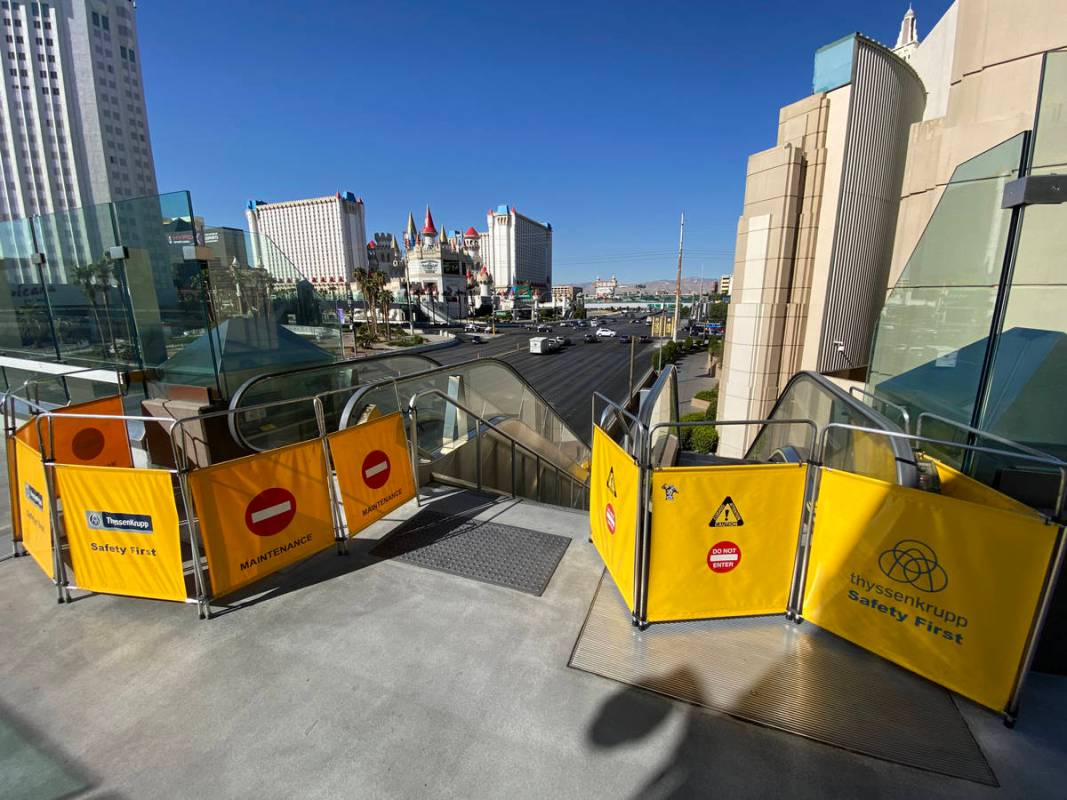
<point x="861" y="393"/>
<point x="539" y="460"/>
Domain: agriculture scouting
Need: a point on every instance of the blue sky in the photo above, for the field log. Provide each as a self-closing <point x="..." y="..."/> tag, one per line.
<point x="604" y="118"/>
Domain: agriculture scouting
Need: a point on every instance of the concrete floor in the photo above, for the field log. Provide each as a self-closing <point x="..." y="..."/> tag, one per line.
<point x="347" y="677"/>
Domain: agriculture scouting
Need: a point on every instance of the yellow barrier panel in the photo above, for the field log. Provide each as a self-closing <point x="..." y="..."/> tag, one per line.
<point x="373" y="470"/>
<point x="34" y="519"/>
<point x="724" y="540"/>
<point x="122" y="526"/>
<point x="945" y="588"/>
<point x="963" y="487"/>
<point x="96" y="442"/>
<point x="613" y="495"/>
<point x="261" y="513"/>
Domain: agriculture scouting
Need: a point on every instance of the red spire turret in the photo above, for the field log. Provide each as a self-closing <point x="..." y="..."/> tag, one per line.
<point x="428" y="226"/>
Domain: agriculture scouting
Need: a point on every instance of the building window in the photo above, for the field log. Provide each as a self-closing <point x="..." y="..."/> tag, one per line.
<point x="105" y="23"/>
<point x="96" y="19"/>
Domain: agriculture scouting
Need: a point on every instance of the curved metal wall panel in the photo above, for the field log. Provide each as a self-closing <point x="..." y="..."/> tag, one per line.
<point x="887" y="97"/>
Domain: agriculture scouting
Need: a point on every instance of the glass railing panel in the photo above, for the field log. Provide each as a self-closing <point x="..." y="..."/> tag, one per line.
<point x="26" y="328"/>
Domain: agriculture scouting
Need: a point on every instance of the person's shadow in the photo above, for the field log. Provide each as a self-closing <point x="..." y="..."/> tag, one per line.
<point x="633" y="714"/>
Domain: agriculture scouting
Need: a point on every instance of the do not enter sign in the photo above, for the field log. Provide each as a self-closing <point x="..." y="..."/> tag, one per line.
<point x="376" y="469"/>
<point x="609" y="517"/>
<point x="270" y="511"/>
<point x="724" y="556"/>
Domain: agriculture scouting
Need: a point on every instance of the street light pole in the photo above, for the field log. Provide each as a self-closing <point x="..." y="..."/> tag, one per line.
<point x="678" y="281"/>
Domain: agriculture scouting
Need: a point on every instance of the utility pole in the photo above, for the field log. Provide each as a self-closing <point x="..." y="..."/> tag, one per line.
<point x="700" y="294"/>
<point x="411" y="315"/>
<point x="678" y="281"/>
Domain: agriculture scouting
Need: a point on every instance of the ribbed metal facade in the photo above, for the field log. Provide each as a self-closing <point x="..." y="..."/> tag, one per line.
<point x="887" y="97"/>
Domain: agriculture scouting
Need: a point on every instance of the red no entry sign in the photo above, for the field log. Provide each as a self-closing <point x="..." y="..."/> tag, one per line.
<point x="376" y="469"/>
<point x="609" y="517"/>
<point x="724" y="556"/>
<point x="270" y="511"/>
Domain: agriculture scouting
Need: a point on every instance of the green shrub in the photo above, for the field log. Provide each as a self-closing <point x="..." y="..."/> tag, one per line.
<point x="704" y="439"/>
<point x="686" y="434"/>
<point x="711" y="395"/>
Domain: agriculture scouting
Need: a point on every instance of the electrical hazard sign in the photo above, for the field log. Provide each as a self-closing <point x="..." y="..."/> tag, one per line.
<point x="250" y="532"/>
<point x="610" y="483"/>
<point x="727" y="515"/>
<point x="373" y="470"/>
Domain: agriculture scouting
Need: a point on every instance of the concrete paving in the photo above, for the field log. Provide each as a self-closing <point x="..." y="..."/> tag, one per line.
<point x="350" y="677"/>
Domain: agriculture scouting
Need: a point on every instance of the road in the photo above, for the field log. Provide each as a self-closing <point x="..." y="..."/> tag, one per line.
<point x="568" y="377"/>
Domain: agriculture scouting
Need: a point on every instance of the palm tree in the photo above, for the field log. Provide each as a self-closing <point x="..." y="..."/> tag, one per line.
<point x="364" y="281"/>
<point x="385" y="300"/>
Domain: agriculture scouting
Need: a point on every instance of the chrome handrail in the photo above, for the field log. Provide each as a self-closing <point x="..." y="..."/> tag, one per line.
<point x="983" y="434"/>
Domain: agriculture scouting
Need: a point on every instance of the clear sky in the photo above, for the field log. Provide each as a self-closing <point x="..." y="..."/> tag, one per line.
<point x="604" y="118"/>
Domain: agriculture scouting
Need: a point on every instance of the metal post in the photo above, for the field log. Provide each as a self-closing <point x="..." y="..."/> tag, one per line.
<point x="58" y="571"/>
<point x="795" y="608"/>
<point x="203" y="595"/>
<point x="413" y="428"/>
<point x="513" y="492"/>
<point x="478" y="453"/>
<point x="335" y="512"/>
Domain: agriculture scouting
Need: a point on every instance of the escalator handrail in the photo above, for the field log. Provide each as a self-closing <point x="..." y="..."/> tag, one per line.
<point x="907" y="472"/>
<point x="1044" y="458"/>
<point x="238" y="395"/>
<point x="904" y="415"/>
<point x="350" y="406"/>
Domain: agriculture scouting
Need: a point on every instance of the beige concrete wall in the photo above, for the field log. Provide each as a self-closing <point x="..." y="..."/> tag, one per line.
<point x="773" y="267"/>
<point x="992" y="95"/>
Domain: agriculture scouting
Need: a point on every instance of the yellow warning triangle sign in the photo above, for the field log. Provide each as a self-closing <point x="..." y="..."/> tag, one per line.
<point x="727" y="516"/>
<point x="611" y="482"/>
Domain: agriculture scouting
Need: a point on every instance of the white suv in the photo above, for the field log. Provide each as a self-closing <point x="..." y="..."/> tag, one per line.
<point x="605" y="332"/>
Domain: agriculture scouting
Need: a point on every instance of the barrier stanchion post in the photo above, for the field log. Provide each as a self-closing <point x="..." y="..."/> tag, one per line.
<point x="12" y="476"/>
<point x="335" y="510"/>
<point x="192" y="524"/>
<point x="413" y="427"/>
<point x="48" y="462"/>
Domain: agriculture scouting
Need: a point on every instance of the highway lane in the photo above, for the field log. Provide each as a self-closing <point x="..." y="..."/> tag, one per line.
<point x="568" y="377"/>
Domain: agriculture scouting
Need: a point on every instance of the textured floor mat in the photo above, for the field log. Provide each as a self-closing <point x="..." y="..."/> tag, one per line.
<point x="797" y="678"/>
<point x="516" y="558"/>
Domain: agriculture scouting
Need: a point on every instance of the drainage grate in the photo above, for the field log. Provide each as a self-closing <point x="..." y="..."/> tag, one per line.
<point x="516" y="558"/>
<point x="797" y="678"/>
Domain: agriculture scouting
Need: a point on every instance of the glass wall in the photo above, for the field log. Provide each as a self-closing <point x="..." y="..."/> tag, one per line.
<point x="192" y="312"/>
<point x="933" y="331"/>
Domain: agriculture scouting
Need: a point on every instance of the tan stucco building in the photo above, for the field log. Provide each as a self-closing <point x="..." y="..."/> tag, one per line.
<point x="833" y="212"/>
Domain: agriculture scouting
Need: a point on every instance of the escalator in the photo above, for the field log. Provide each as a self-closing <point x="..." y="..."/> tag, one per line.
<point x="480" y="424"/>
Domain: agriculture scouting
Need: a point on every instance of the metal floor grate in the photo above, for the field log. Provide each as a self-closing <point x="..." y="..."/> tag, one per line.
<point x="797" y="678"/>
<point x="504" y="555"/>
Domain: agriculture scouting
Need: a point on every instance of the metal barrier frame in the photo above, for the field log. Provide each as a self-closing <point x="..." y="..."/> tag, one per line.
<point x="1052" y="572"/>
<point x="642" y="523"/>
<point x="806" y="515"/>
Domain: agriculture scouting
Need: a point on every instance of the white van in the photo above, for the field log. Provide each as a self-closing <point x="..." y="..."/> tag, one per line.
<point x="543" y="344"/>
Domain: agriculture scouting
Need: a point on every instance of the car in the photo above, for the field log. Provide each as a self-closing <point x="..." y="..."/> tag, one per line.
<point x="564" y="341"/>
<point x="590" y="338"/>
<point x="476" y="339"/>
<point x="605" y="332"/>
<point x="644" y="338"/>
<point x="473" y="327"/>
<point x="543" y="329"/>
<point x="624" y="339"/>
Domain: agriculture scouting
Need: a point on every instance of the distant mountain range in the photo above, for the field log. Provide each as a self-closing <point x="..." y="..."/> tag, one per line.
<point x="690" y="285"/>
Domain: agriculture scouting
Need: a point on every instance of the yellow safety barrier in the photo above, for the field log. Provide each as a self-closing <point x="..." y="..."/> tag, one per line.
<point x="91" y="442"/>
<point x="33" y="505"/>
<point x="614" y="487"/>
<point x="122" y="527"/>
<point x="373" y="469"/>
<point x="724" y="540"/>
<point x="261" y="513"/>
<point x="955" y="484"/>
<point x="944" y="587"/>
